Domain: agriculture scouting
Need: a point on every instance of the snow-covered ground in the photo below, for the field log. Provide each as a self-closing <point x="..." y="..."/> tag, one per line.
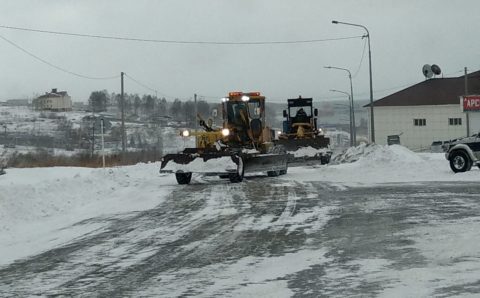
<point x="50" y="198"/>
<point x="19" y="123"/>
<point x="37" y="203"/>
<point x="22" y="119"/>
<point x="41" y="209"/>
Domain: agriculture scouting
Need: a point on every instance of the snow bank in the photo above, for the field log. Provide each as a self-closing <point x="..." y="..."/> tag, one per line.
<point x="373" y="164"/>
<point x="377" y="153"/>
<point x="36" y="204"/>
<point x="309" y="152"/>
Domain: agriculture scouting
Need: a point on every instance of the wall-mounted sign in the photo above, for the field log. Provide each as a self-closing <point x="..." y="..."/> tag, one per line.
<point x="471" y="103"/>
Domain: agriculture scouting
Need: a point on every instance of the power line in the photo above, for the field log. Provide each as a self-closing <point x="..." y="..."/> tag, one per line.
<point x="146" y="86"/>
<point x="273" y="99"/>
<point x="151" y="88"/>
<point x="142" y="84"/>
<point x="76" y="74"/>
<point x="408" y="84"/>
<point x="361" y="60"/>
<point x="179" y="41"/>
<point x="413" y="83"/>
<point x="455" y="72"/>
<point x="55" y="66"/>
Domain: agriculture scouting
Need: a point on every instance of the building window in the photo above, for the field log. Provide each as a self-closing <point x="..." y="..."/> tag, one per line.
<point x="419" y="122"/>
<point x="454" y="121"/>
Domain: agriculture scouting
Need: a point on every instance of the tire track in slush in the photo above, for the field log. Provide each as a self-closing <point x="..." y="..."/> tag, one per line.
<point x="64" y="267"/>
<point x="198" y="225"/>
<point x="213" y="238"/>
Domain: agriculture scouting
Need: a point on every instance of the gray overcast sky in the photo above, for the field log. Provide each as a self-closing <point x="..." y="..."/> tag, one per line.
<point x="405" y="35"/>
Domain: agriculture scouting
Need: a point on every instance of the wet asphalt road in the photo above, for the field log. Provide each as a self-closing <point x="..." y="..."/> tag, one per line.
<point x="206" y="239"/>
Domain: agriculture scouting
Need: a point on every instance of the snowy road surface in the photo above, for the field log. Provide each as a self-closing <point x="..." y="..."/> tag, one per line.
<point x="263" y="237"/>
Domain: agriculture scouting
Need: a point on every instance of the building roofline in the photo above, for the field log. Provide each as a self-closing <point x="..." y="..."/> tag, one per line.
<point x="435" y="91"/>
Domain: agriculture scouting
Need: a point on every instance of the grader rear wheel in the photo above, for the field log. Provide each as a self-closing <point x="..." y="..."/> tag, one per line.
<point x="238" y="176"/>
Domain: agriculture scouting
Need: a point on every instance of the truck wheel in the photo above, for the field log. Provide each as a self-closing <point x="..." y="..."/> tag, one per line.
<point x="238" y="176"/>
<point x="183" y="178"/>
<point x="283" y="172"/>
<point x="460" y="161"/>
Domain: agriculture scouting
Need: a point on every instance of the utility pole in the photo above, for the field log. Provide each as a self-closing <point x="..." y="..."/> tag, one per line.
<point x="93" y="135"/>
<point x="195" y="117"/>
<point x="372" y="120"/>
<point x="122" y="99"/>
<point x="467" y="115"/>
<point x="5" y="137"/>
<point x="102" y="127"/>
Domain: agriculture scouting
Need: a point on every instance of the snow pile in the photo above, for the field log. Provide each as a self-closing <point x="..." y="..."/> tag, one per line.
<point x="384" y="154"/>
<point x="308" y="151"/>
<point x="377" y="153"/>
<point x="373" y="164"/>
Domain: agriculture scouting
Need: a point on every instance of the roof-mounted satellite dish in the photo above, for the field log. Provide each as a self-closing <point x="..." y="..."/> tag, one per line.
<point x="436" y="69"/>
<point x="427" y="71"/>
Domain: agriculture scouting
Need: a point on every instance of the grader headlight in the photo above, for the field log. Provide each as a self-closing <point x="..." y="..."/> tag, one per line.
<point x="185" y="133"/>
<point x="225" y="132"/>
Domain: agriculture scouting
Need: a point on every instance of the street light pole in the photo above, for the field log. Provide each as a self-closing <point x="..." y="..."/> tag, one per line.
<point x="372" y="122"/>
<point x="351" y="124"/>
<point x="352" y="106"/>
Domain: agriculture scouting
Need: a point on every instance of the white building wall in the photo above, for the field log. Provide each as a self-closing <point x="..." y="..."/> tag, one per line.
<point x="400" y="120"/>
<point x="55" y="103"/>
<point x="61" y="103"/>
<point x="474" y="122"/>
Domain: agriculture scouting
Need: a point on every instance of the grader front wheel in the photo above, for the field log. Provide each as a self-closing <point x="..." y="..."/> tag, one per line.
<point x="238" y="176"/>
<point x="183" y="178"/>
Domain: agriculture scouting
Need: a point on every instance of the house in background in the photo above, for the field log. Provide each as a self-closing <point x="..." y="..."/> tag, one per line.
<point x="426" y="112"/>
<point x="53" y="101"/>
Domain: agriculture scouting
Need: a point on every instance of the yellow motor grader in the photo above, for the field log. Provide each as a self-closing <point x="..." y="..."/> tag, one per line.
<point x="244" y="144"/>
<point x="301" y="137"/>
